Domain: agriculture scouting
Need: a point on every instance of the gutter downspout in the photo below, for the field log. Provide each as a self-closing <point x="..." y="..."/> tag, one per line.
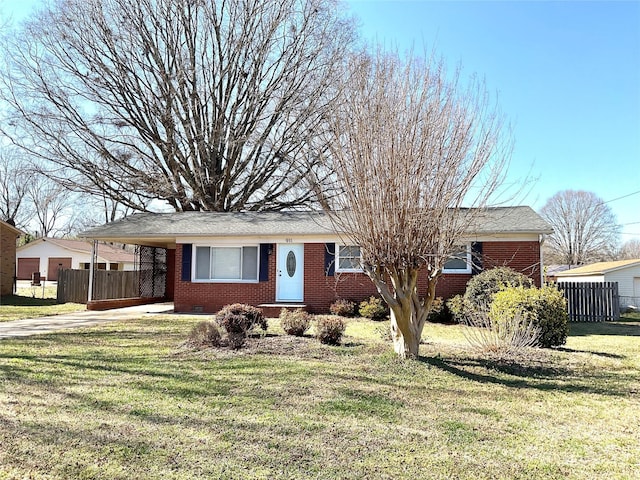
<point x="541" y="240"/>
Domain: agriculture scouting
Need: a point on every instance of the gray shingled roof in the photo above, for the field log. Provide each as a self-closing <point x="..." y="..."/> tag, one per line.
<point x="207" y="224"/>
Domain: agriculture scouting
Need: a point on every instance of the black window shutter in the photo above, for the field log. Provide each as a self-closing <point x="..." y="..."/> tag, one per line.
<point x="476" y="257"/>
<point x="263" y="271"/>
<point x="330" y="259"/>
<point x="186" y="262"/>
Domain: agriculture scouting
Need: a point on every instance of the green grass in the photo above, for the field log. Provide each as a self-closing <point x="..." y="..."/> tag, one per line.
<point x="21" y="306"/>
<point x="127" y="400"/>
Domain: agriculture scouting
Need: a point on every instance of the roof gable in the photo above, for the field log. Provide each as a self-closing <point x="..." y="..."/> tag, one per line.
<point x="104" y="251"/>
<point x="6" y="225"/>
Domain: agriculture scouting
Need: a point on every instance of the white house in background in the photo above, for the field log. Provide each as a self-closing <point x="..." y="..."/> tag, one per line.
<point x="47" y="255"/>
<point x="625" y="272"/>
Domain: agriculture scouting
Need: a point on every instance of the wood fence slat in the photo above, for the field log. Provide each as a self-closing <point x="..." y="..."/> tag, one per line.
<point x="73" y="285"/>
<point x="591" y="301"/>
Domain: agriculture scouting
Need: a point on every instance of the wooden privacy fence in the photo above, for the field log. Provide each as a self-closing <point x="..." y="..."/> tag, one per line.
<point x="73" y="285"/>
<point x="591" y="301"/>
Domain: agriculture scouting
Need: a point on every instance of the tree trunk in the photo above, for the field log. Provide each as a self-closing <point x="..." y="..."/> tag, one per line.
<point x="407" y="344"/>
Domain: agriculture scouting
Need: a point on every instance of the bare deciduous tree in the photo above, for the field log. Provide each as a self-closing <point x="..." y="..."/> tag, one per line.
<point x="630" y="249"/>
<point x="411" y="147"/>
<point x="211" y="105"/>
<point x="585" y="228"/>
<point x="14" y="181"/>
<point x="53" y="207"/>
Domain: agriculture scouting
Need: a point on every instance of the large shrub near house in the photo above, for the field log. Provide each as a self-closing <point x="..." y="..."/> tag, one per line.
<point x="545" y="307"/>
<point x="482" y="287"/>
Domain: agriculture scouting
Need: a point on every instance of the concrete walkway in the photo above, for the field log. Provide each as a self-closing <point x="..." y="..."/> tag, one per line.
<point x="86" y="318"/>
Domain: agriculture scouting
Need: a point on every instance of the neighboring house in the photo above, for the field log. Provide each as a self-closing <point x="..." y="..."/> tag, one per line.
<point x="551" y="271"/>
<point x="47" y="255"/>
<point x="296" y="258"/>
<point x="8" y="237"/>
<point x="625" y="272"/>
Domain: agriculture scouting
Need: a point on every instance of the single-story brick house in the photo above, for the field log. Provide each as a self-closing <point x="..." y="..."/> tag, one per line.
<point x="274" y="259"/>
<point x="8" y="239"/>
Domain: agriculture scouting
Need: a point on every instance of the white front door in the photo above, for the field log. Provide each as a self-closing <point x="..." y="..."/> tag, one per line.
<point x="290" y="272"/>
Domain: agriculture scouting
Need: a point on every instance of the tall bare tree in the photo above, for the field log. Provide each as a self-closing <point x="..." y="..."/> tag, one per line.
<point x="585" y="228"/>
<point x="54" y="207"/>
<point x="209" y="105"/>
<point x="15" y="177"/>
<point x="411" y="146"/>
<point x="630" y="249"/>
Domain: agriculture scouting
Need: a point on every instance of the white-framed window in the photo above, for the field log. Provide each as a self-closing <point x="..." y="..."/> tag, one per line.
<point x="348" y="258"/>
<point x="459" y="261"/>
<point x="226" y="264"/>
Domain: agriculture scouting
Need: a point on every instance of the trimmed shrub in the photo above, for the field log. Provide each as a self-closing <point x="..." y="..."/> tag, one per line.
<point x="439" y="312"/>
<point x="236" y="340"/>
<point x="545" y="307"/>
<point x="482" y="287"/>
<point x="329" y="329"/>
<point x="296" y="322"/>
<point x="343" y="308"/>
<point x="205" y="334"/>
<point x="458" y="308"/>
<point x="240" y="318"/>
<point x="373" y="308"/>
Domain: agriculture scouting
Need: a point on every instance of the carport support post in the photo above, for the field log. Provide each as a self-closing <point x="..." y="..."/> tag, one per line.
<point x="91" y="267"/>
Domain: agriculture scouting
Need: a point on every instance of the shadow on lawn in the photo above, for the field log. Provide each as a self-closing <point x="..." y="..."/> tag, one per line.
<point x="22" y="301"/>
<point x="540" y="377"/>
<point x="627" y="326"/>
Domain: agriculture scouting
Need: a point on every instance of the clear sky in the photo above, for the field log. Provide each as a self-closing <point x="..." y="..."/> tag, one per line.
<point x="567" y="75"/>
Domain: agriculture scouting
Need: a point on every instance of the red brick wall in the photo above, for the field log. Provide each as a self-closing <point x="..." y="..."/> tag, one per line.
<point x="7" y="259"/>
<point x="320" y="290"/>
<point x="521" y="256"/>
<point x="211" y="297"/>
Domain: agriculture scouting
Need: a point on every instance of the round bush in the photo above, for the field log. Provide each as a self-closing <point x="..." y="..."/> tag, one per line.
<point x="373" y="308"/>
<point x="240" y="318"/>
<point x="545" y="307"/>
<point x="329" y="329"/>
<point x="343" y="308"/>
<point x="482" y="287"/>
<point x="205" y="334"/>
<point x="295" y="322"/>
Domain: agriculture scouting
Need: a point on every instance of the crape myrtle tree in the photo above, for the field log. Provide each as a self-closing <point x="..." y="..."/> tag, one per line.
<point x="205" y="104"/>
<point x="585" y="228"/>
<point x="411" y="147"/>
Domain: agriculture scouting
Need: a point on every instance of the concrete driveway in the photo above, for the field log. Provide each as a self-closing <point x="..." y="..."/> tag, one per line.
<point x="35" y="326"/>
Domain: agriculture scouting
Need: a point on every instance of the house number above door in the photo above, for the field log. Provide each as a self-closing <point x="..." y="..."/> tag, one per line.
<point x="291" y="263"/>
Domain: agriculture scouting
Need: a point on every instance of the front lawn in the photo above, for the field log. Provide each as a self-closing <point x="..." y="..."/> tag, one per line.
<point x="18" y="307"/>
<point x="126" y="400"/>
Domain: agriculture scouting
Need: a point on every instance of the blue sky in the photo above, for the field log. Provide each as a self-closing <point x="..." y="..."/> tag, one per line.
<point x="567" y="76"/>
